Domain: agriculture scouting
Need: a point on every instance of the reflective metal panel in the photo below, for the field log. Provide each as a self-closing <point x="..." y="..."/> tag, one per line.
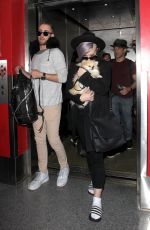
<point x="144" y="180"/>
<point x="111" y="15"/>
<point x="143" y="74"/>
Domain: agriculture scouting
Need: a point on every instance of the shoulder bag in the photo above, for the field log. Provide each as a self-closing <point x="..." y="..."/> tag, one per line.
<point x="106" y="132"/>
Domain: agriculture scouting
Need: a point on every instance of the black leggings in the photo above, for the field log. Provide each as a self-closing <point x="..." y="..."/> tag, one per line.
<point x="96" y="168"/>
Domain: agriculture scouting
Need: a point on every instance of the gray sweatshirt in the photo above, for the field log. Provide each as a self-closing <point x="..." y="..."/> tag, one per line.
<point x="50" y="61"/>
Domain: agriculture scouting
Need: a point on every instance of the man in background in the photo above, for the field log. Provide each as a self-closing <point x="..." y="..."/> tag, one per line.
<point x="123" y="85"/>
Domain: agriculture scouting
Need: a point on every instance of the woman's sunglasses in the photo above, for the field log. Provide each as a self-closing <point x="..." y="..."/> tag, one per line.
<point x="90" y="58"/>
<point x="45" y="33"/>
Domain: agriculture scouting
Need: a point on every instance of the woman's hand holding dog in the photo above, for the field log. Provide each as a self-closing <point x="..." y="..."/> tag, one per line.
<point x="87" y="95"/>
<point x="80" y="72"/>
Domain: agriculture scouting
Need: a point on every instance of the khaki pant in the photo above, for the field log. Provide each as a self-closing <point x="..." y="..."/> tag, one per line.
<point x="50" y="129"/>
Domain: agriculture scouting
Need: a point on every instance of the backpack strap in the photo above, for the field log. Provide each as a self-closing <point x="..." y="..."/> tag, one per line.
<point x="130" y="69"/>
<point x="42" y="112"/>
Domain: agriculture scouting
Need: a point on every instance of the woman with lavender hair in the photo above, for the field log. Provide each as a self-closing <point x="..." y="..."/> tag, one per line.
<point x="96" y="92"/>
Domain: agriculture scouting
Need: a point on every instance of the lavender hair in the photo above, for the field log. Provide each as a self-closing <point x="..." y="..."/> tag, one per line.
<point x="83" y="48"/>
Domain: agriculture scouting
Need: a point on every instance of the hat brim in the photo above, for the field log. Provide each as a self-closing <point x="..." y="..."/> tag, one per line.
<point x="125" y="47"/>
<point x="87" y="38"/>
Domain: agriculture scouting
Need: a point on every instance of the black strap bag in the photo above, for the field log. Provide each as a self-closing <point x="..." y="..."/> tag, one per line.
<point x="106" y="133"/>
<point x="23" y="100"/>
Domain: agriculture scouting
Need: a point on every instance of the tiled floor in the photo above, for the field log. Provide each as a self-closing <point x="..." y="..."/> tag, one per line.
<point x="50" y="208"/>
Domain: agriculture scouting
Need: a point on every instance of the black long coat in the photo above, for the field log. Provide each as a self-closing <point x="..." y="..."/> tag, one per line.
<point x="99" y="107"/>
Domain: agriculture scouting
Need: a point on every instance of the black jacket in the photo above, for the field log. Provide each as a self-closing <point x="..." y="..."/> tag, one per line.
<point x="100" y="105"/>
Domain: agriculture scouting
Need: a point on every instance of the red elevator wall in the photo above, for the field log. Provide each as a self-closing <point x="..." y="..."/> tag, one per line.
<point x="145" y="58"/>
<point x="12" y="48"/>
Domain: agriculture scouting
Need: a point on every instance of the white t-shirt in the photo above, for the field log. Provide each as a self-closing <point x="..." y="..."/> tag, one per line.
<point x="50" y="61"/>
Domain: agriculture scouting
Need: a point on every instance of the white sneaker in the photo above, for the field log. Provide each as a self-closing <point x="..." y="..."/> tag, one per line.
<point x="63" y="177"/>
<point x="40" y="179"/>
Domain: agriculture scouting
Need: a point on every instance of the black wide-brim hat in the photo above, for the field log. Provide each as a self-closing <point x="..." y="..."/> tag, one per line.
<point x="88" y="37"/>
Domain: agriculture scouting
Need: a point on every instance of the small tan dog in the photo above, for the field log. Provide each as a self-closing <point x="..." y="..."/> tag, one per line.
<point x="92" y="67"/>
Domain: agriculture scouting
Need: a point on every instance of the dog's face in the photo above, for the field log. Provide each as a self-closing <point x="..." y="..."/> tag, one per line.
<point x="89" y="64"/>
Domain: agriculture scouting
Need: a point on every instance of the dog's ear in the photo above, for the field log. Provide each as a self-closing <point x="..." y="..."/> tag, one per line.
<point x="78" y="64"/>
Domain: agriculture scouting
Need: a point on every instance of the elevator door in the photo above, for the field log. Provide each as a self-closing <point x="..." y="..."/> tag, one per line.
<point x="111" y="20"/>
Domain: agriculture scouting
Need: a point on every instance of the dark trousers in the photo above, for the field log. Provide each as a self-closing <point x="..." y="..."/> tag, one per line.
<point x="122" y="108"/>
<point x="95" y="160"/>
<point x="96" y="168"/>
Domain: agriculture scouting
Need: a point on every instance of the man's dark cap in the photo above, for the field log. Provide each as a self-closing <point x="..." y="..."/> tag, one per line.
<point x="120" y="43"/>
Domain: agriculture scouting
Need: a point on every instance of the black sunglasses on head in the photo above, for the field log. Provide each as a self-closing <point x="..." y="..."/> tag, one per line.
<point x="45" y="33"/>
<point x="90" y="58"/>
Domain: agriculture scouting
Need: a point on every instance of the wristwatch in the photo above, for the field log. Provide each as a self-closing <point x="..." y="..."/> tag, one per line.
<point x="44" y="76"/>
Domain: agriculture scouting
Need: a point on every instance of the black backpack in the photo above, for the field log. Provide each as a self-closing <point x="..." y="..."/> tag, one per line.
<point x="23" y="100"/>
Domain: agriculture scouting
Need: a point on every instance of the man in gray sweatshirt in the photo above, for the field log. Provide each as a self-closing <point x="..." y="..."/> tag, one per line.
<point x="48" y="69"/>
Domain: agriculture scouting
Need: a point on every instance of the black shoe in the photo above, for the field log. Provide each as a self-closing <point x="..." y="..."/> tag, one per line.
<point x="82" y="153"/>
<point x="74" y="141"/>
<point x="112" y="155"/>
<point x="115" y="152"/>
<point x="129" y="144"/>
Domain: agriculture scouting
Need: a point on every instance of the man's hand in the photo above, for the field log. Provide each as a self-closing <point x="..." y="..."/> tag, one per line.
<point x="125" y="90"/>
<point x="17" y="68"/>
<point x="36" y="73"/>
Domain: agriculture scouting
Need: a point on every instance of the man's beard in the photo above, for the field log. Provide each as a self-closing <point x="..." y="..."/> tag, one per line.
<point x="119" y="55"/>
